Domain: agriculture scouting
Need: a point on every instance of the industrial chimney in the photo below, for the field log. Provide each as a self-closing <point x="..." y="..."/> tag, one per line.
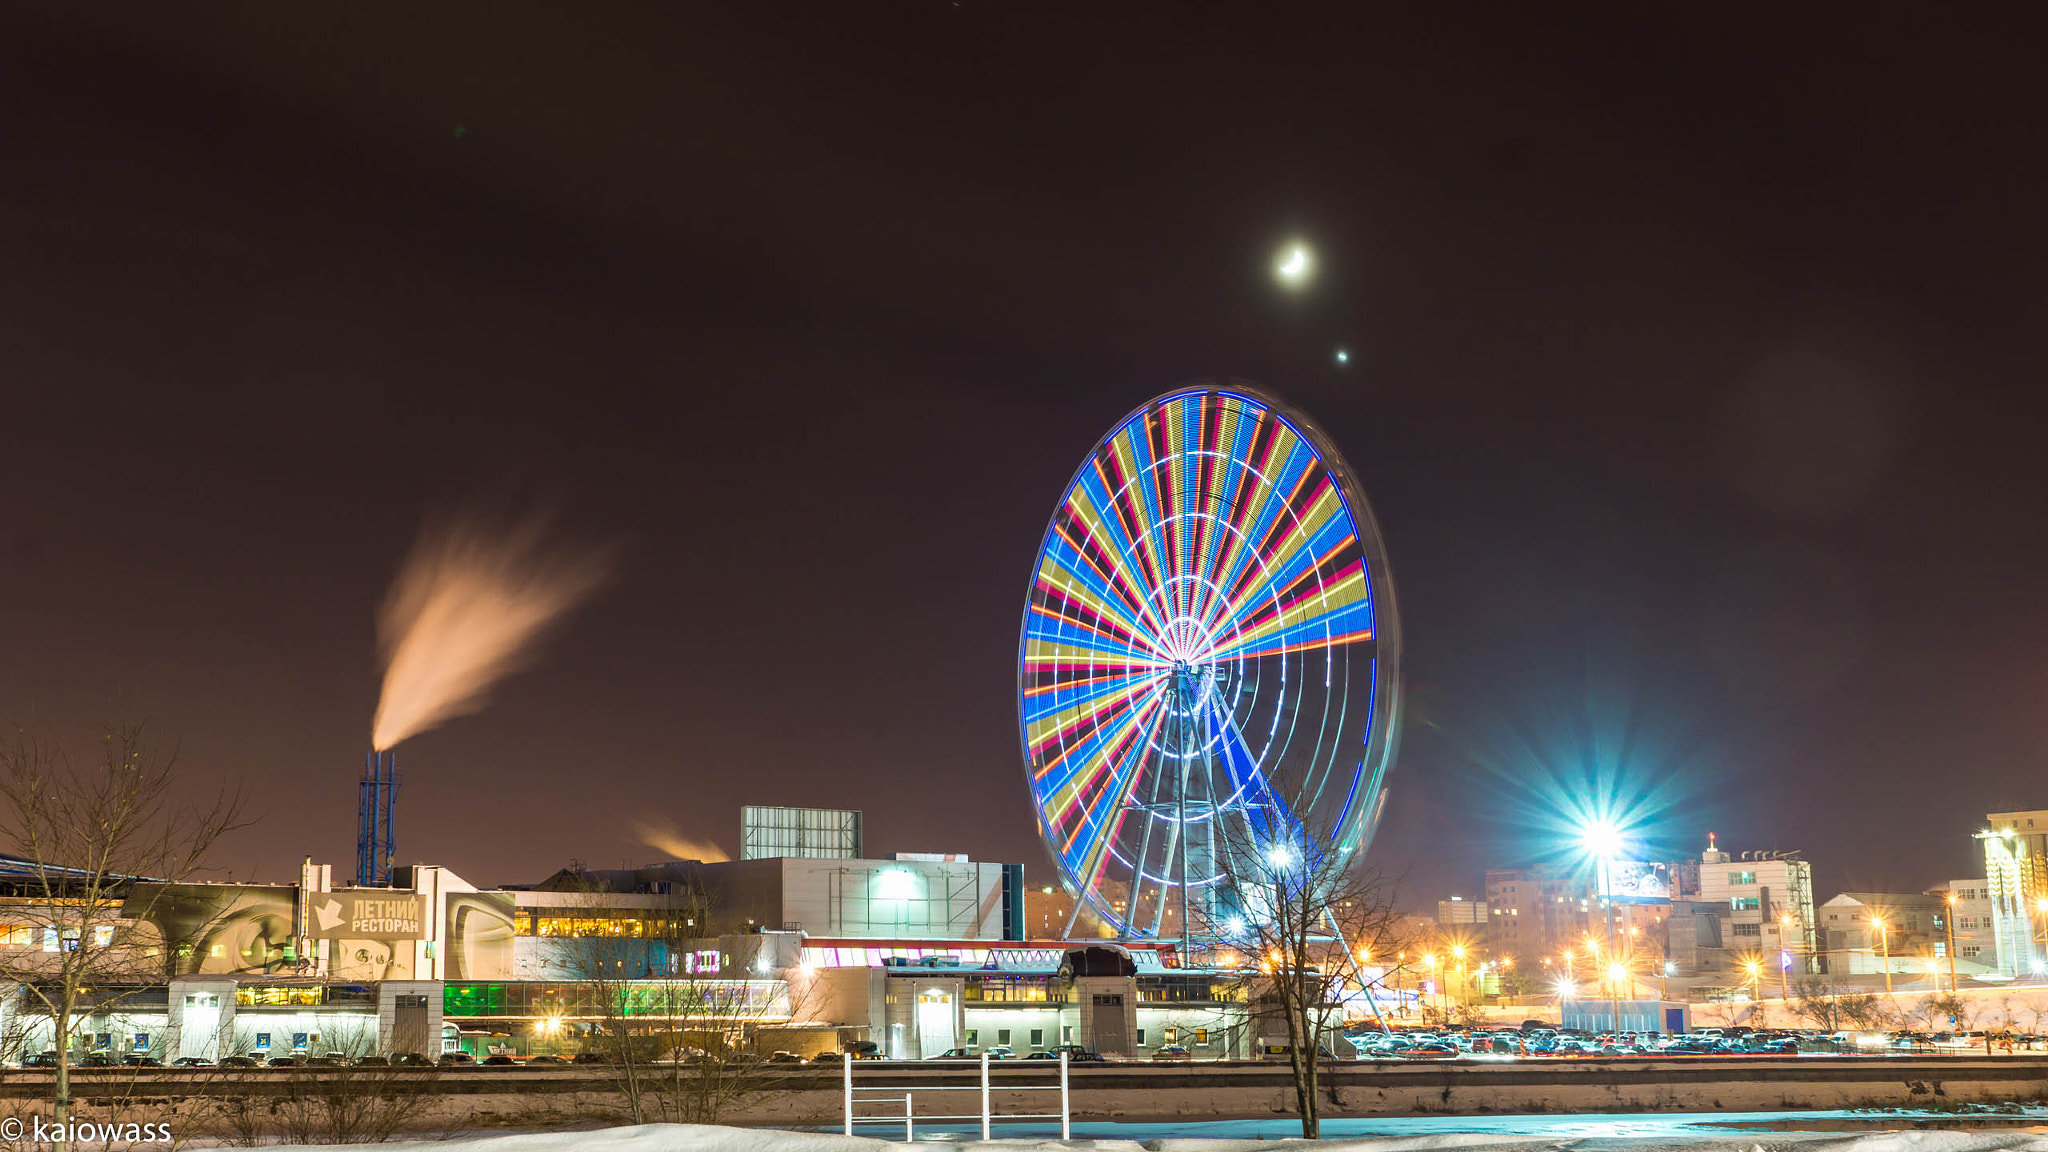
<point x="374" y="843"/>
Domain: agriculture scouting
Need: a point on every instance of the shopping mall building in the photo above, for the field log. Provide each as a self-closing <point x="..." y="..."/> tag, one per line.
<point x="804" y="945"/>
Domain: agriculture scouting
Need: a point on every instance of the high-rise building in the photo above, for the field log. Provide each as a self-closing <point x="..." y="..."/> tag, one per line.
<point x="1514" y="914"/>
<point x="2016" y="872"/>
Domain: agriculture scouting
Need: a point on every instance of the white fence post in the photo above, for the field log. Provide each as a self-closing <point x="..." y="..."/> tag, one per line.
<point x="909" y="1123"/>
<point x="984" y="1096"/>
<point x="849" y="1093"/>
<point x="1065" y="1112"/>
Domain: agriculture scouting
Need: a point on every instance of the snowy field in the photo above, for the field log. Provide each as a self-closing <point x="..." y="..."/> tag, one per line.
<point x="1817" y="1131"/>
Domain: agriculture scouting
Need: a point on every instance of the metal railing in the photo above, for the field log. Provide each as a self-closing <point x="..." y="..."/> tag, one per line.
<point x="887" y="1093"/>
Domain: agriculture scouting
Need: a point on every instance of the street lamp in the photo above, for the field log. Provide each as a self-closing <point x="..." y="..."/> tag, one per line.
<point x="1755" y="974"/>
<point x="1948" y="927"/>
<point x="1884" y="937"/>
<point x="2041" y="906"/>
<point x="1784" y="956"/>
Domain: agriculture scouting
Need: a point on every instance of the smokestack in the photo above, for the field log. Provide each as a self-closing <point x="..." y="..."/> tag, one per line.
<point x="375" y="844"/>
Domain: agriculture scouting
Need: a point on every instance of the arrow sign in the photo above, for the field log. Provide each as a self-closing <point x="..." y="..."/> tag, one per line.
<point x="329" y="913"/>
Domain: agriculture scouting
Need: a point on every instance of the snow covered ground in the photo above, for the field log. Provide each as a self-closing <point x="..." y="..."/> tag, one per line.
<point x="1688" y="1132"/>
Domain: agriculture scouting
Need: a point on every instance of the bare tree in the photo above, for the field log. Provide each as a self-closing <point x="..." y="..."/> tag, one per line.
<point x="1818" y="1000"/>
<point x="1865" y="1010"/>
<point x="1946" y="1009"/>
<point x="1311" y="917"/>
<point x="83" y="833"/>
<point x="678" y="1005"/>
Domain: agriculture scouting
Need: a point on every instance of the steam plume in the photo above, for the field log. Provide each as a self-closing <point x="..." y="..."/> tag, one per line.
<point x="464" y="613"/>
<point x="666" y="837"/>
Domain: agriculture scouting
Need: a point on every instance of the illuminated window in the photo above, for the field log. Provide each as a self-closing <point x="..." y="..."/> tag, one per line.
<point x="1741" y="878"/>
<point x="1201" y="1037"/>
<point x="1743" y="903"/>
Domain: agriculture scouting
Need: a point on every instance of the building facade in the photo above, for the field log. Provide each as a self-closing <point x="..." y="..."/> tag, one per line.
<point x="2015" y="847"/>
<point x="1765" y="903"/>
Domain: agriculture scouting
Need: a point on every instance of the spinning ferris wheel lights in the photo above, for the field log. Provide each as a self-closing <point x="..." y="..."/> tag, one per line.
<point x="1208" y="666"/>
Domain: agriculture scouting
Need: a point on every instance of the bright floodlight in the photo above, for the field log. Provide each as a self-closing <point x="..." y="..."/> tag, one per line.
<point x="1280" y="856"/>
<point x="1293" y="265"/>
<point x="1343" y="357"/>
<point x="1617" y="972"/>
<point x="1235" y="927"/>
<point x="1601" y="838"/>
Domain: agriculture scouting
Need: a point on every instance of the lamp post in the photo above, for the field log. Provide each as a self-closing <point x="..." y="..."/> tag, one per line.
<point x="1884" y="937"/>
<point x="1616" y="973"/>
<point x="2041" y="906"/>
<point x="1948" y="927"/>
<point x="1784" y="957"/>
<point x="1755" y="975"/>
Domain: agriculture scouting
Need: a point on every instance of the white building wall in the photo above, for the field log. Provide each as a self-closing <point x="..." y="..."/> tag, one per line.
<point x="941" y="900"/>
<point x="1754" y="897"/>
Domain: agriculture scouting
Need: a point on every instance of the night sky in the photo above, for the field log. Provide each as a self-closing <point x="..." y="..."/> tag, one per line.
<point x="1695" y="377"/>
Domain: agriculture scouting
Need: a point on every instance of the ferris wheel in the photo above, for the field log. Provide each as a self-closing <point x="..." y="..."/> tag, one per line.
<point x="1209" y="662"/>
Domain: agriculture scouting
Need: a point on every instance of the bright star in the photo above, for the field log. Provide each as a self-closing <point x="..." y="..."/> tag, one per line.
<point x="1343" y="357"/>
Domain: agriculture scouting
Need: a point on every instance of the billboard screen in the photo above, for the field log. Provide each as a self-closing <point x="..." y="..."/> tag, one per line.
<point x="1634" y="882"/>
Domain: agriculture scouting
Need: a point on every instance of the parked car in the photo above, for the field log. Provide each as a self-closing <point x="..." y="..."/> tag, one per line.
<point x="1429" y="1050"/>
<point x="499" y="1062"/>
<point x="457" y="1058"/>
<point x="1171" y="1052"/>
<point x="40" y="1060"/>
<point x="953" y="1054"/>
<point x="544" y="1058"/>
<point x="780" y="1057"/>
<point x="412" y="1060"/>
<point x="138" y="1060"/>
<point x="238" y="1062"/>
<point x="330" y="1060"/>
<point x="286" y="1061"/>
<point x="1000" y="1052"/>
<point x="373" y="1062"/>
<point x="589" y="1058"/>
<point x="191" y="1062"/>
<point x="1075" y="1053"/>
